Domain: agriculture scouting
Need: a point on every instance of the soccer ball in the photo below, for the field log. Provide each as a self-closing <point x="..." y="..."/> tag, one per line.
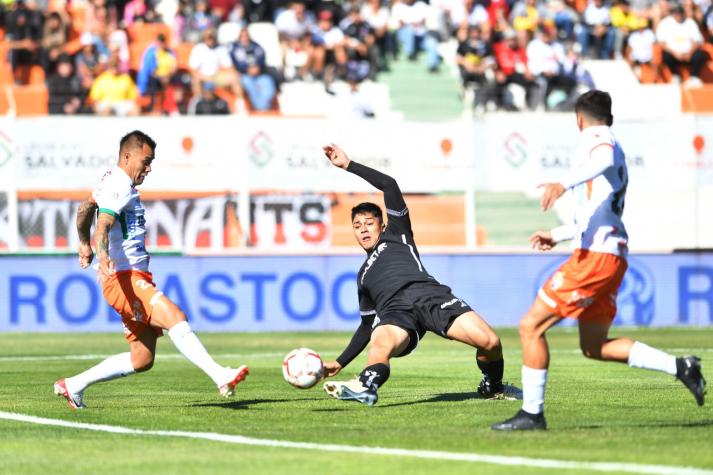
<point x="302" y="368"/>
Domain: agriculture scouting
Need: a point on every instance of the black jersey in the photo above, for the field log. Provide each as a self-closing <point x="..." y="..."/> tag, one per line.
<point x="392" y="264"/>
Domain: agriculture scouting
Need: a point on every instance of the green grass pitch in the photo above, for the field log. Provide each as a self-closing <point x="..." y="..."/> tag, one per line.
<point x="597" y="412"/>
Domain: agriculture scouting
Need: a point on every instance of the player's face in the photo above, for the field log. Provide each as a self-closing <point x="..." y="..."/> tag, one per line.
<point x="367" y="229"/>
<point x="140" y="164"/>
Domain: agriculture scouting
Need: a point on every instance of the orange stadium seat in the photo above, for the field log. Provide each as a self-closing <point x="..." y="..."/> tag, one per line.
<point x="147" y="32"/>
<point x="26" y="100"/>
<point x="183" y="53"/>
<point x="136" y="52"/>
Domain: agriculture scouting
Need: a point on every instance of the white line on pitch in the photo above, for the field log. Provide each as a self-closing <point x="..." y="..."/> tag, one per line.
<point x="170" y="356"/>
<point x="423" y="454"/>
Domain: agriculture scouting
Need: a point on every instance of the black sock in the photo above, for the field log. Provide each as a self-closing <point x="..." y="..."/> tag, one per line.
<point x="374" y="376"/>
<point x="493" y="370"/>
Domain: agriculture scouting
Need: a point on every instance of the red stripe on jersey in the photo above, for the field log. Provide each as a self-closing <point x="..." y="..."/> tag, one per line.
<point x="605" y="144"/>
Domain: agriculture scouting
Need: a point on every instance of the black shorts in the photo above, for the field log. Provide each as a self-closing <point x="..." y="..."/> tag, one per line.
<point x="422" y="307"/>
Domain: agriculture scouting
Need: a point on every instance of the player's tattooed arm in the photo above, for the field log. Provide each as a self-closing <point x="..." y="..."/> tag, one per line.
<point x="101" y="238"/>
<point x="85" y="217"/>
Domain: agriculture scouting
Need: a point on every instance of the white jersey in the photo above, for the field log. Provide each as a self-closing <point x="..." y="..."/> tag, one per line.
<point x="599" y="182"/>
<point x="117" y="196"/>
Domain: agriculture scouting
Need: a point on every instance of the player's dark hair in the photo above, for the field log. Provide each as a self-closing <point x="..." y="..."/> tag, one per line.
<point x="595" y="104"/>
<point x="368" y="208"/>
<point x="136" y="139"/>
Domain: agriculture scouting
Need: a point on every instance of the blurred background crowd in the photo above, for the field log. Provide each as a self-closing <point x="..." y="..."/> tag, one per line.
<point x="167" y="57"/>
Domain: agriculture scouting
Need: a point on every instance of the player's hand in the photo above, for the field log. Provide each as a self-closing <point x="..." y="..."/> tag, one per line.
<point x="552" y="192"/>
<point x="542" y="241"/>
<point x="331" y="368"/>
<point x="336" y="155"/>
<point x="106" y="267"/>
<point x="86" y="254"/>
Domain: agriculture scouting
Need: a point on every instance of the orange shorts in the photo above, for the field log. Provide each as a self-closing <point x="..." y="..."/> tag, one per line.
<point x="133" y="294"/>
<point x="585" y="287"/>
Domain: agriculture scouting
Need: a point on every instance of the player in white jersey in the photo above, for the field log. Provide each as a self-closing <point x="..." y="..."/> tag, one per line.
<point x="127" y="284"/>
<point x="585" y="287"/>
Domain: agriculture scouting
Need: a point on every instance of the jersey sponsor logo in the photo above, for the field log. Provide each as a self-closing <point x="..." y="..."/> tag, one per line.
<point x="557" y="281"/>
<point x="580" y="300"/>
<point x="372" y="258"/>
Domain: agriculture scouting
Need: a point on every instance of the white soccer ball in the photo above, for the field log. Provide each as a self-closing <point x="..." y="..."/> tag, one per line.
<point x="302" y="368"/>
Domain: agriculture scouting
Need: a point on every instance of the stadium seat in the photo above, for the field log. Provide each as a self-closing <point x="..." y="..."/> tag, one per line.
<point x="147" y="32"/>
<point x="228" y="33"/>
<point x="698" y="99"/>
<point x="24" y="100"/>
<point x="265" y="34"/>
<point x="183" y="54"/>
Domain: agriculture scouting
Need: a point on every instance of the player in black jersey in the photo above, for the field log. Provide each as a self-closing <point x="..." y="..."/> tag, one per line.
<point x="399" y="300"/>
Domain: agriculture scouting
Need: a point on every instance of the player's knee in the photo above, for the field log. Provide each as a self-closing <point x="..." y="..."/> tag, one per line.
<point x="527" y="328"/>
<point x="592" y="350"/>
<point x="492" y="343"/>
<point x="142" y="363"/>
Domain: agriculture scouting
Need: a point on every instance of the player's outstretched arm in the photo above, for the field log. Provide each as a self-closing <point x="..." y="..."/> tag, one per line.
<point x="101" y="237"/>
<point x="393" y="198"/>
<point x="361" y="338"/>
<point x="85" y="217"/>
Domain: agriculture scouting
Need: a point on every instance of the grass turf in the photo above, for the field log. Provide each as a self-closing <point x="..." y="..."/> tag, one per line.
<point x="596" y="412"/>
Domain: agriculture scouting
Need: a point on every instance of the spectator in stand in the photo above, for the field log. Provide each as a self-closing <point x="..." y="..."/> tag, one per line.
<point x="511" y="60"/>
<point x="565" y="18"/>
<point x="525" y="15"/>
<point x="210" y="62"/>
<point x="222" y="8"/>
<point x="98" y="16"/>
<point x="66" y="95"/>
<point x="88" y="63"/>
<point x="596" y="30"/>
<point x="23" y="31"/>
<point x="134" y="10"/>
<point x="641" y="43"/>
<point x="158" y="65"/>
<point x="412" y="34"/>
<point x="199" y="21"/>
<point x="468" y="12"/>
<point x="302" y="57"/>
<point x="360" y="43"/>
<point x="249" y="60"/>
<point x="623" y="20"/>
<point x="209" y="103"/>
<point x="294" y="22"/>
<point x="115" y="38"/>
<point x="54" y="37"/>
<point x="114" y="92"/>
<point x="259" y="11"/>
<point x="476" y="63"/>
<point x="377" y="16"/>
<point x="681" y="41"/>
<point x="330" y="39"/>
<point x="545" y="59"/>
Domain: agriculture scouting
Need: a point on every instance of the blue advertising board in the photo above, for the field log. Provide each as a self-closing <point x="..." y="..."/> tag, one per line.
<point x="314" y="293"/>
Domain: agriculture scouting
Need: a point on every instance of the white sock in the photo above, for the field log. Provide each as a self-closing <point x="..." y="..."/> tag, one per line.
<point x="111" y="368"/>
<point x="644" y="356"/>
<point x="191" y="347"/>
<point x="533" y="389"/>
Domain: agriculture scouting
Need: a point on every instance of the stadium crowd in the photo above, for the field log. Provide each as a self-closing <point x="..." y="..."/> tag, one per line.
<point x="127" y="57"/>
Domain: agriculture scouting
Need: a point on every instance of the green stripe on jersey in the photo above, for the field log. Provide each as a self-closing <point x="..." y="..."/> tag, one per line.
<point x="124" y="229"/>
<point x="109" y="212"/>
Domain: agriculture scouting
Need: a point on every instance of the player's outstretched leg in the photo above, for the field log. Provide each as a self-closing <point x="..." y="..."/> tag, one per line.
<point x="471" y="329"/>
<point x="72" y="389"/>
<point x="386" y="341"/>
<point x="166" y="314"/>
<point x="596" y="344"/>
<point x="139" y="359"/>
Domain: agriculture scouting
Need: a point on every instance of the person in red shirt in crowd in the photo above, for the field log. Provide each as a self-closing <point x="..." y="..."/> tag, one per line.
<point x="511" y="60"/>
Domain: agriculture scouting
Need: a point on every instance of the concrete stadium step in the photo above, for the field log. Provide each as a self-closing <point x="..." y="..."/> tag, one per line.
<point x="422" y="95"/>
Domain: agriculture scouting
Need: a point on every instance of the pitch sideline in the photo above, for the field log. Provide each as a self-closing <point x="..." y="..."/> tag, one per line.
<point x="423" y="454"/>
